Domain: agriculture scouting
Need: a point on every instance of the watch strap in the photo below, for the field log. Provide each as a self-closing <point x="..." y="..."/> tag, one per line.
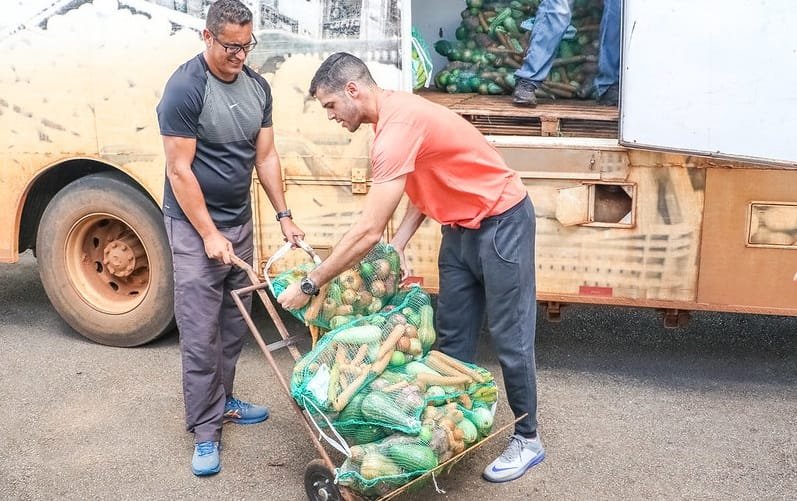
<point x="284" y="213"/>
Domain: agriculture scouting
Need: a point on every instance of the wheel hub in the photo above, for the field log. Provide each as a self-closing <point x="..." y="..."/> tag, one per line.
<point x="123" y="256"/>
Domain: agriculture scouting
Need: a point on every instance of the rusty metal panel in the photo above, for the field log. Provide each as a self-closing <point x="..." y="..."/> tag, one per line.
<point x="740" y="265"/>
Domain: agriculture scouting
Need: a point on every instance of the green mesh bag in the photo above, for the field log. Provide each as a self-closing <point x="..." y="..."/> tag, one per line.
<point x="396" y="399"/>
<point x="362" y="290"/>
<point x="349" y="357"/>
<point x="376" y="468"/>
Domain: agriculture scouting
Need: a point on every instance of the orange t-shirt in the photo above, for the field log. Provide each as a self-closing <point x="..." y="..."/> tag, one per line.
<point x="453" y="174"/>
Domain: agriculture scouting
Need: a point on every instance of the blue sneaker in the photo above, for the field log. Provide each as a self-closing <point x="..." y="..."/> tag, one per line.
<point x="240" y="412"/>
<point x="521" y="454"/>
<point x="206" y="459"/>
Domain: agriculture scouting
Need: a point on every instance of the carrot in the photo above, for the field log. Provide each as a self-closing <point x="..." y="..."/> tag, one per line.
<point x="315" y="304"/>
<point x="453" y="362"/>
<point x="390" y="342"/>
<point x="340" y="355"/>
<point x="334" y="382"/>
<point x="431" y="379"/>
<point x="381" y="363"/>
<point x="483" y="22"/>
<point x="345" y="396"/>
<point x="360" y="356"/>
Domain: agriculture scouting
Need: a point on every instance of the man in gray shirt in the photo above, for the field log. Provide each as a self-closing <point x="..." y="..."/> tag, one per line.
<point x="215" y="119"/>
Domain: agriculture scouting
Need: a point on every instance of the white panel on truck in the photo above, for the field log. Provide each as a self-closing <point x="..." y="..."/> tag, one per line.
<point x="711" y="78"/>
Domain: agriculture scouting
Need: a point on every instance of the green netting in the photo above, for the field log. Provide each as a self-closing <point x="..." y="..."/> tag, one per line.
<point x="346" y="359"/>
<point x="402" y="407"/>
<point x="397" y="398"/>
<point x="377" y="468"/>
<point x="357" y="292"/>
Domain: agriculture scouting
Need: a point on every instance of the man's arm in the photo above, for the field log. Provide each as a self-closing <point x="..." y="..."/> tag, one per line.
<point x="413" y="218"/>
<point x="380" y="203"/>
<point x="180" y="153"/>
<point x="269" y="172"/>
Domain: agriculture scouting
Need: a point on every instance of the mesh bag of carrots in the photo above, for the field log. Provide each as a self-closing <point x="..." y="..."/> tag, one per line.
<point x="447" y="430"/>
<point x="362" y="290"/>
<point x="403" y="407"/>
<point x="349" y="357"/>
<point x="396" y="399"/>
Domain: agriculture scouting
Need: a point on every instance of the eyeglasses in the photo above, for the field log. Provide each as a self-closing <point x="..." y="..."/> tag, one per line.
<point x="234" y="48"/>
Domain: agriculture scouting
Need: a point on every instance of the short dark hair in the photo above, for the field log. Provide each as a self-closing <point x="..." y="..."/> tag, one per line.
<point x="339" y="69"/>
<point x="223" y="12"/>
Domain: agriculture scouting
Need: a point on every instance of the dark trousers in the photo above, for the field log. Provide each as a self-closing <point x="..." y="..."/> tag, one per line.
<point x="211" y="326"/>
<point x="491" y="271"/>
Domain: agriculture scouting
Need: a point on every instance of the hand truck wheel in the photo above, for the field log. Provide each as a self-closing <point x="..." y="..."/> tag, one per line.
<point x="319" y="482"/>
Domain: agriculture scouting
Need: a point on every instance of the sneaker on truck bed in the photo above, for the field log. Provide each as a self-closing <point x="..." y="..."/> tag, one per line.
<point x="240" y="412"/>
<point x="610" y="96"/>
<point x="523" y="94"/>
<point x="520" y="455"/>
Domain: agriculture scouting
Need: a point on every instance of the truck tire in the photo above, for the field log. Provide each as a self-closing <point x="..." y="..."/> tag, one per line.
<point x="105" y="261"/>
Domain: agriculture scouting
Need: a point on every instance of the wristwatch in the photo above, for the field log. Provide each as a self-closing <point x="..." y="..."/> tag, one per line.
<point x="308" y="286"/>
<point x="284" y="213"/>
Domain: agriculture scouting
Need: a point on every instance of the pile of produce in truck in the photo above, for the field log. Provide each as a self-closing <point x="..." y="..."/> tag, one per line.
<point x="362" y="290"/>
<point x="401" y="408"/>
<point x="492" y="40"/>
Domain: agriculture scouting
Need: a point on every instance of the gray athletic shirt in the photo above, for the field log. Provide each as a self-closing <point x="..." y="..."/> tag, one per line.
<point x="225" y="118"/>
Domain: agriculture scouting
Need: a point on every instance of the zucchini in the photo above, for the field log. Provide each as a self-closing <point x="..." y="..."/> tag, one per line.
<point x="380" y="408"/>
<point x="352" y="411"/>
<point x="412" y="457"/>
<point x="365" y="334"/>
<point x="414" y="368"/>
<point x="426" y="332"/>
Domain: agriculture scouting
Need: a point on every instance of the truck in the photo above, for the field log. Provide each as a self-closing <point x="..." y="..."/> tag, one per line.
<point x="681" y="199"/>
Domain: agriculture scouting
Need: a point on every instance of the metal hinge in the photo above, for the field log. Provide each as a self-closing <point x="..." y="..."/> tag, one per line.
<point x="358" y="180"/>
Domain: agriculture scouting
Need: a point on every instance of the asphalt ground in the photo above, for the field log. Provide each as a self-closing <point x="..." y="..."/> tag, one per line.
<point x="627" y="410"/>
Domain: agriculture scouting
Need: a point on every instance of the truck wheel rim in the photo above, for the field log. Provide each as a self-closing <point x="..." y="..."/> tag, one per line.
<point x="107" y="263"/>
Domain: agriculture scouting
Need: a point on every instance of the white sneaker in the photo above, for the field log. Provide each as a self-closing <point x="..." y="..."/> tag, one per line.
<point x="520" y="455"/>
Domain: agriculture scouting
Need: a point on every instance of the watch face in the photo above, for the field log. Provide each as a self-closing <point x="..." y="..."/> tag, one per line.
<point x="307" y="286"/>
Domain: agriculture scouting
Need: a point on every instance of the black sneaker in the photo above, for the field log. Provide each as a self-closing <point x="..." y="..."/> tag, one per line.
<point x="524" y="92"/>
<point x="610" y="96"/>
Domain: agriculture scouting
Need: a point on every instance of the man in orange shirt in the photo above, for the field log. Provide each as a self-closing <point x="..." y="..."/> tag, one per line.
<point x="486" y="262"/>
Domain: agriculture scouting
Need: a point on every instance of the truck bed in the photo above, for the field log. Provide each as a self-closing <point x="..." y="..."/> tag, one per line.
<point x="496" y="115"/>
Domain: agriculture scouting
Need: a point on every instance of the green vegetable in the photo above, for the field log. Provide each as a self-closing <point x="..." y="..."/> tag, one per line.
<point x="487" y="394"/>
<point x="426" y="332"/>
<point x="356" y="433"/>
<point x="375" y="465"/>
<point x="443" y="47"/>
<point x="335" y="293"/>
<point x="414" y="368"/>
<point x="340" y="320"/>
<point x="380" y="408"/>
<point x="365" y="334"/>
<point x="469" y="431"/>
<point x="367" y="271"/>
<point x="511" y="26"/>
<point x="353" y="410"/>
<point x="499" y="19"/>
<point x="397" y="358"/>
<point x="412" y="457"/>
<point x="482" y="418"/>
<point x="435" y="392"/>
<point x="425" y="435"/>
